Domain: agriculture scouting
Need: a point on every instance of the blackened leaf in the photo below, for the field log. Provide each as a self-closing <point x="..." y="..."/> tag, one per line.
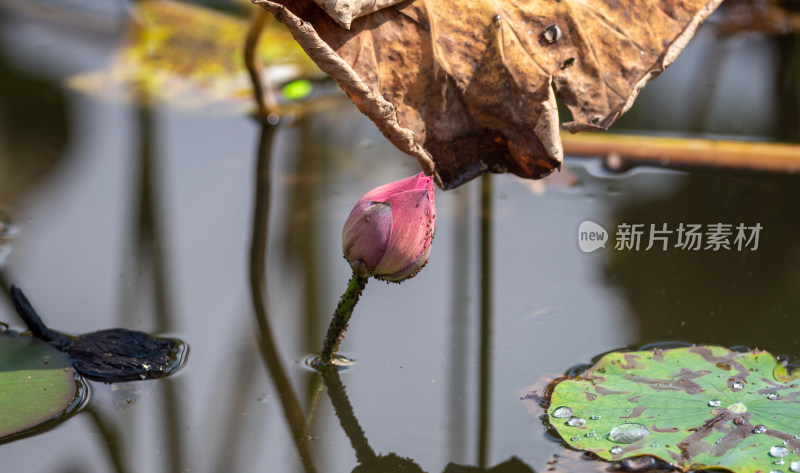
<point x="108" y="355"/>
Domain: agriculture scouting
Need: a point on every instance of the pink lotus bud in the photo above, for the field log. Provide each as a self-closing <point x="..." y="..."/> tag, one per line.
<point x="389" y="232"/>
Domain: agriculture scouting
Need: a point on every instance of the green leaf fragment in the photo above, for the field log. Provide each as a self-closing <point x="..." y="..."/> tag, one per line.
<point x="696" y="407"/>
<point x="38" y="386"/>
<point x="297" y="89"/>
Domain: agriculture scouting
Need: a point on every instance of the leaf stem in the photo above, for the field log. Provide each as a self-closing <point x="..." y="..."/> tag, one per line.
<point x="677" y="152"/>
<point x="341" y="317"/>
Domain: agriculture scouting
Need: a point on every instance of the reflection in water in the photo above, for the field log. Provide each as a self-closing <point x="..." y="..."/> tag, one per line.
<point x="485" y="378"/>
<point x="368" y="461"/>
<point x="727" y="297"/>
<point x="460" y="319"/>
<point x="258" y="291"/>
<point x="300" y="243"/>
<point x="34" y="130"/>
<point x="787" y="98"/>
<point x="149" y="251"/>
<point x="112" y="435"/>
<point x="512" y="465"/>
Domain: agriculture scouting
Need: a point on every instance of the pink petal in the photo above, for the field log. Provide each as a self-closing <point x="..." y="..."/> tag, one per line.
<point x="366" y="235"/>
<point x="413" y="224"/>
<point x="382" y="193"/>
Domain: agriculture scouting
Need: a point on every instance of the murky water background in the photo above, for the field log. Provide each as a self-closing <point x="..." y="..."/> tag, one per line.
<point x="142" y="218"/>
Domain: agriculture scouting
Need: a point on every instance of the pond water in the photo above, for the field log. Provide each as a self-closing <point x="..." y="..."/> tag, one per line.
<point x="142" y="217"/>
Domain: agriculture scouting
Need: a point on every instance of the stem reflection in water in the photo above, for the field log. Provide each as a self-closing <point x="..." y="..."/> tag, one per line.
<point x="367" y="459"/>
<point x="258" y="289"/>
<point x="460" y="320"/>
<point x="485" y="379"/>
<point x="150" y="249"/>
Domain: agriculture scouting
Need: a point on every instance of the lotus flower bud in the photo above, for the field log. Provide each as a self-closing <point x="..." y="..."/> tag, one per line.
<point x="389" y="232"/>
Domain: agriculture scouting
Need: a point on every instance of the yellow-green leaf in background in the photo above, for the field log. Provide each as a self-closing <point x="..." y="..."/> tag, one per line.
<point x="193" y="56"/>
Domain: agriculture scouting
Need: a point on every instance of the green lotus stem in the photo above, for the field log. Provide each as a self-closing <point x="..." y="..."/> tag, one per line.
<point x="341" y="316"/>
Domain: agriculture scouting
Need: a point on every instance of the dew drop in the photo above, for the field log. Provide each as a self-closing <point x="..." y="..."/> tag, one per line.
<point x="737" y="386"/>
<point x="591" y="434"/>
<point x="775" y="471"/>
<point x="779" y="462"/>
<point x="760" y="429"/>
<point x="615" y="449"/>
<point x="594" y="417"/>
<point x="552" y="34"/>
<point x="561" y="412"/>
<point x="772" y="396"/>
<point x="576" y="421"/>
<point x="574" y="439"/>
<point x="714" y="403"/>
<point x="795" y="466"/>
<point x="628" y="433"/>
<point x="778" y="451"/>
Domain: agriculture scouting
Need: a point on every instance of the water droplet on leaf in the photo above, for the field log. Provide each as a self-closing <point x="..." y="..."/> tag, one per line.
<point x="772" y="396"/>
<point x="576" y="421"/>
<point x="616" y="449"/>
<point x="760" y="429"/>
<point x="628" y="433"/>
<point x="795" y="466"/>
<point x="737" y="386"/>
<point x="714" y="403"/>
<point x="552" y="33"/>
<point x="778" y="451"/>
<point x="562" y="412"/>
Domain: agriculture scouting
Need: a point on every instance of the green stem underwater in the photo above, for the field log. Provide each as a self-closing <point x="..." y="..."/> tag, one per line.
<point x="340" y="319"/>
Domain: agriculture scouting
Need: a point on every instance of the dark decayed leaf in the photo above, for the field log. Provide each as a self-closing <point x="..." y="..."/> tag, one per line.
<point x="108" y="355"/>
<point x="469" y="87"/>
<point x="345" y="11"/>
<point x="696" y="408"/>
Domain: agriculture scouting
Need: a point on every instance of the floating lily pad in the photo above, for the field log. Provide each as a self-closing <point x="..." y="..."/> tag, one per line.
<point x="696" y="408"/>
<point x="38" y="386"/>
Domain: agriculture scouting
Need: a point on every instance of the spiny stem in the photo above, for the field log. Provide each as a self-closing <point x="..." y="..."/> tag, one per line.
<point x="340" y="319"/>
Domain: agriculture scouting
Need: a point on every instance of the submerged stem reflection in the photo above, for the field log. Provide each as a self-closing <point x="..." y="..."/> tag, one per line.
<point x="486" y="320"/>
<point x="258" y="290"/>
<point x="368" y="461"/>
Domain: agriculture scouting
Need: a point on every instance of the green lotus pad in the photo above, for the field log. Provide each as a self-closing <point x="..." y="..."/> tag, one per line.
<point x="38" y="386"/>
<point x="695" y="407"/>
